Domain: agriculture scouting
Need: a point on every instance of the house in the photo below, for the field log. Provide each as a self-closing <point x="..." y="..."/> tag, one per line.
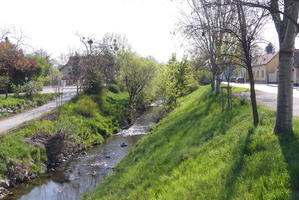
<point x="272" y="68"/>
<point x="260" y="69"/>
<point x="66" y="71"/>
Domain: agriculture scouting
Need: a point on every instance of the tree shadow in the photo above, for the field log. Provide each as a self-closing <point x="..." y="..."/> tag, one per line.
<point x="237" y="167"/>
<point x="290" y="147"/>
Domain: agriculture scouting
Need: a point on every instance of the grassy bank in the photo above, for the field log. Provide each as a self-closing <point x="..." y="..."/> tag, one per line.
<point x="86" y="120"/>
<point x="21" y="103"/>
<point x="199" y="152"/>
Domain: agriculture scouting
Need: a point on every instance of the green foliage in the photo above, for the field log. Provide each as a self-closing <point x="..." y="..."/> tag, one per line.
<point x="53" y="76"/>
<point x="5" y="82"/>
<point x="31" y="88"/>
<point x="199" y="152"/>
<point x="86" y="107"/>
<point x="82" y="121"/>
<point x="44" y="66"/>
<point x="175" y="80"/>
<point x="202" y="76"/>
<point x="137" y="73"/>
<point x="14" y="64"/>
<point x="20" y="103"/>
<point x="17" y="89"/>
<point x="113" y="88"/>
<point x="93" y="82"/>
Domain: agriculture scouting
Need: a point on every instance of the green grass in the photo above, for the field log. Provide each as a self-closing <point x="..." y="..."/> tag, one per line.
<point x="199" y="152"/>
<point x="22" y="103"/>
<point x="82" y="120"/>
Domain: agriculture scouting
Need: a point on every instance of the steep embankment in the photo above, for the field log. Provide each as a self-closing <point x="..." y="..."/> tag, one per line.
<point x="199" y="152"/>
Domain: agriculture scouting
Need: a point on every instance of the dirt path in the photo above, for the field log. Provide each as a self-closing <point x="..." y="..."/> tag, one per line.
<point x="16" y="120"/>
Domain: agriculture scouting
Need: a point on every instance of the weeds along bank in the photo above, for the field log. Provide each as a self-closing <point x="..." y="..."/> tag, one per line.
<point x="199" y="152"/>
<point x="19" y="103"/>
<point x="82" y="122"/>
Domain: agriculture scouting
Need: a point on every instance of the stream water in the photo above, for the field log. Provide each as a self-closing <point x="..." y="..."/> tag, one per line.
<point x="84" y="173"/>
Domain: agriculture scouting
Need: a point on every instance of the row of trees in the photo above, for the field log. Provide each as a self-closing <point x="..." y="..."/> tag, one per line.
<point x="226" y="33"/>
<point x="108" y="62"/>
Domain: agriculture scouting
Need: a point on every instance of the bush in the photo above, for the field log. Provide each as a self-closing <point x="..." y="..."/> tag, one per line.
<point x="113" y="88"/>
<point x="31" y="88"/>
<point x="86" y="107"/>
<point x="93" y="82"/>
<point x="17" y="89"/>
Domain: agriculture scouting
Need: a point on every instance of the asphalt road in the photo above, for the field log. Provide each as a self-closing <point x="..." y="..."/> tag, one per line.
<point x="16" y="120"/>
<point x="267" y="96"/>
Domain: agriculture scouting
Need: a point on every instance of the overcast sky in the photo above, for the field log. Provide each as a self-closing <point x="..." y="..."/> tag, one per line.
<point x="52" y="24"/>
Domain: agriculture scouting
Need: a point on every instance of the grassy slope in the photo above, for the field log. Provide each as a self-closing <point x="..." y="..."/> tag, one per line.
<point x="16" y="151"/>
<point x="199" y="152"/>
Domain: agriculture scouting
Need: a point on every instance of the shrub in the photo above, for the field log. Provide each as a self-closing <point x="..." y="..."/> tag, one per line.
<point x="93" y="82"/>
<point x="86" y="107"/>
<point x="113" y="88"/>
<point x="17" y="89"/>
<point x="31" y="88"/>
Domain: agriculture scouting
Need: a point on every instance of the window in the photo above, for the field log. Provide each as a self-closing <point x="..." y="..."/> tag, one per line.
<point x="257" y="74"/>
<point x="263" y="74"/>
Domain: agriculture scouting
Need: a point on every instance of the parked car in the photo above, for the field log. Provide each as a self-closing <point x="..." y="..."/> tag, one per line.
<point x="233" y="80"/>
<point x="240" y="80"/>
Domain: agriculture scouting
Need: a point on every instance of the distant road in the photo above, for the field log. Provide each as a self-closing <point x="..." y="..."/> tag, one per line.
<point x="16" y="120"/>
<point x="267" y="95"/>
<point x="269" y="88"/>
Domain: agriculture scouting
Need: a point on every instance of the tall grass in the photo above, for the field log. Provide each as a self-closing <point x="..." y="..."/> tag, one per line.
<point x="200" y="152"/>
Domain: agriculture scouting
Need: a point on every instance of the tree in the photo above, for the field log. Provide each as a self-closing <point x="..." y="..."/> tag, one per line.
<point x="287" y="29"/>
<point x="247" y="27"/>
<point x="205" y="26"/>
<point x="285" y="18"/>
<point x="54" y="76"/>
<point x="269" y="48"/>
<point x="178" y="80"/>
<point x="200" y="69"/>
<point x="137" y="74"/>
<point x="14" y="65"/>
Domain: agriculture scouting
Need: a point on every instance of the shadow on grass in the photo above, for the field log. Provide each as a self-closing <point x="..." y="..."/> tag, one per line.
<point x="290" y="148"/>
<point x="237" y="167"/>
<point x="190" y="122"/>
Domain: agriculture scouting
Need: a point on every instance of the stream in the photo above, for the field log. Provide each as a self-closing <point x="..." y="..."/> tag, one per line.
<point x="84" y="173"/>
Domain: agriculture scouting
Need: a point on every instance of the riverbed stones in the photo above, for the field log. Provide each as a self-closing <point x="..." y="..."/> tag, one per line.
<point x="59" y="149"/>
<point x="3" y="192"/>
<point x="4" y="183"/>
<point x="123" y="144"/>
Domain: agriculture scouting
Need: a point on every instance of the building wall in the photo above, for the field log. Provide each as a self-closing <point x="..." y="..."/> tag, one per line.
<point x="272" y="70"/>
<point x="259" y="73"/>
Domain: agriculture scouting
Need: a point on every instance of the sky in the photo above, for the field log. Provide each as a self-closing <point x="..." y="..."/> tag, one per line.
<point x="147" y="24"/>
<point x="52" y="24"/>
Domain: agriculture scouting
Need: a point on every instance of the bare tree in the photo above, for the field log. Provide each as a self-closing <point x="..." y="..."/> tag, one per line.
<point x="205" y="26"/>
<point x="246" y="29"/>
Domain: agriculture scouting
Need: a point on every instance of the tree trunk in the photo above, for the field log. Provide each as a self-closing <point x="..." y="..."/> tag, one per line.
<point x="77" y="87"/>
<point x="218" y="82"/>
<point x="253" y="97"/>
<point x="284" y="114"/>
<point x="213" y="82"/>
